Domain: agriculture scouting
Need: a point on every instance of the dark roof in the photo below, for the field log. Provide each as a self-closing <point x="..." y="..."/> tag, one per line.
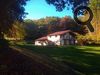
<point x="60" y="32"/>
<point x="42" y="38"/>
<point x="55" y="33"/>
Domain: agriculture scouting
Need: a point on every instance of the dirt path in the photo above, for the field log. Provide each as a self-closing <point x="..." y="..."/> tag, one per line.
<point x="16" y="61"/>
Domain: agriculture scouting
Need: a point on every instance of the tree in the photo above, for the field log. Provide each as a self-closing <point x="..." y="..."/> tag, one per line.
<point x="95" y="6"/>
<point x="93" y="37"/>
<point x="31" y="29"/>
<point x="67" y="23"/>
<point x="17" y="31"/>
<point x="61" y="4"/>
<point x="10" y="10"/>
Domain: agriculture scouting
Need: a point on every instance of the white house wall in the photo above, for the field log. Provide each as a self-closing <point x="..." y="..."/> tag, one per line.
<point x="55" y="39"/>
<point x="37" y="43"/>
<point x="41" y="43"/>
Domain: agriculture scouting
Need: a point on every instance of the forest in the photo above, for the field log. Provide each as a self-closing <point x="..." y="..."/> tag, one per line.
<point x="29" y="29"/>
<point x="19" y="55"/>
<point x="33" y="29"/>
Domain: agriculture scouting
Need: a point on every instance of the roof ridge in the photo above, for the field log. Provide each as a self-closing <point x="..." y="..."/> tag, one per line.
<point x="59" y="32"/>
<point x="54" y="33"/>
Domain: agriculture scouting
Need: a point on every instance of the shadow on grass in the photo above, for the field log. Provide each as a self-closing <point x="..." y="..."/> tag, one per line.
<point x="84" y="59"/>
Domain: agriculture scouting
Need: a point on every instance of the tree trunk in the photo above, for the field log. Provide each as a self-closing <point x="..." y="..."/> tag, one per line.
<point x="1" y="35"/>
<point x="3" y="42"/>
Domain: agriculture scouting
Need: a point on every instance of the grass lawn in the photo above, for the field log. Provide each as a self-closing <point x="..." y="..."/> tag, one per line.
<point x="85" y="59"/>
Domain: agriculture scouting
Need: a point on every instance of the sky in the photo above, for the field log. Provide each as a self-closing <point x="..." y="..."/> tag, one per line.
<point x="37" y="9"/>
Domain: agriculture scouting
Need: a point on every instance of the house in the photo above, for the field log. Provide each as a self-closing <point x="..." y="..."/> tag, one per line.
<point x="60" y="38"/>
<point x="43" y="41"/>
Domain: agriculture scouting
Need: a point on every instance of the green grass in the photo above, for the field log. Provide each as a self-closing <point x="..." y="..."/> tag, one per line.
<point x="84" y="59"/>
